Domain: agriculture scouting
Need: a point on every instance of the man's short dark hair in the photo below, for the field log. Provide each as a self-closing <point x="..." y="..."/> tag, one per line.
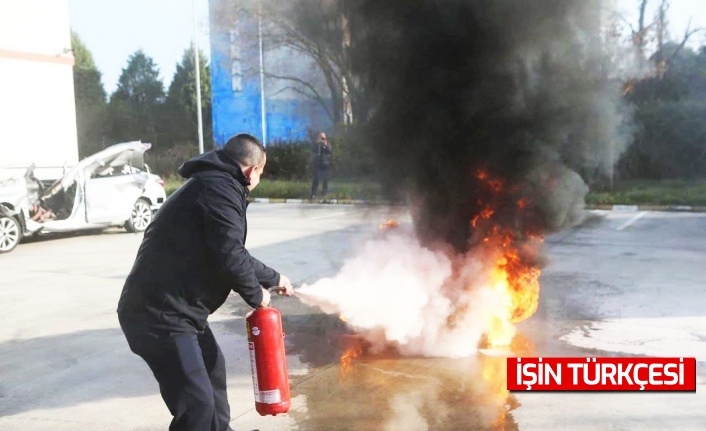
<point x="246" y="150"/>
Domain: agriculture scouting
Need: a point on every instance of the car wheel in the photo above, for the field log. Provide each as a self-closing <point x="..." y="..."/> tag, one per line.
<point x="140" y="217"/>
<point x="10" y="233"/>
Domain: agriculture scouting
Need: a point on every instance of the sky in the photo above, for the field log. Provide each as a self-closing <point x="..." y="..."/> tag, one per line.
<point x="680" y="12"/>
<point x="114" y="29"/>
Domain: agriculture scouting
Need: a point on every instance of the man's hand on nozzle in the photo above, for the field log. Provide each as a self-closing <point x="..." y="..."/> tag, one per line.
<point x="266" y="297"/>
<point x="285" y="286"/>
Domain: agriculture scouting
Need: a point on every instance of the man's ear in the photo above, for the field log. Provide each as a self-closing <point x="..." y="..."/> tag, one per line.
<point x="248" y="171"/>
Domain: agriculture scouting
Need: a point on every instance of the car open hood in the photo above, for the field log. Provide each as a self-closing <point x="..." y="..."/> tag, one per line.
<point x="127" y="153"/>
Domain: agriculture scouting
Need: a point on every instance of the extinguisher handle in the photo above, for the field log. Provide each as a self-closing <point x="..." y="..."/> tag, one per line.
<point x="276" y="289"/>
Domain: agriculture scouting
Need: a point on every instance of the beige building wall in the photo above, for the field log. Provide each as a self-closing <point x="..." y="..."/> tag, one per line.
<point x="37" y="108"/>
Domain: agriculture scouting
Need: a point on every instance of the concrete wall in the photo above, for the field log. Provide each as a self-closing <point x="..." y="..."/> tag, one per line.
<point x="37" y="108"/>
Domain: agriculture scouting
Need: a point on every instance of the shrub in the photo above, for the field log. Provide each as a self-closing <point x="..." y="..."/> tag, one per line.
<point x="166" y="162"/>
<point x="289" y="160"/>
<point x="353" y="155"/>
<point x="670" y="141"/>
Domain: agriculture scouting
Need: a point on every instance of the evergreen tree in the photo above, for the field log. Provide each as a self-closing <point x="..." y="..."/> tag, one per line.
<point x="181" y="104"/>
<point x="89" y="95"/>
<point x="135" y="106"/>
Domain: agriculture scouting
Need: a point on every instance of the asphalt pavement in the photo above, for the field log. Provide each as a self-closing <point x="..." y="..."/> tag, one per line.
<point x="623" y="283"/>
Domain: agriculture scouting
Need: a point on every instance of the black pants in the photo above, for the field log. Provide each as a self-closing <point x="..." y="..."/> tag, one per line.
<point x="320" y="174"/>
<point x="191" y="372"/>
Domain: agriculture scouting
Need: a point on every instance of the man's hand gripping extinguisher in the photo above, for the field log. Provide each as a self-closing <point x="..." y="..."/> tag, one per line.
<point x="268" y="361"/>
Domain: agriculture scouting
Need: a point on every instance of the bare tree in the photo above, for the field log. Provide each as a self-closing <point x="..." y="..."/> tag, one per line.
<point x="322" y="31"/>
<point x="662" y="57"/>
<point x="656" y="33"/>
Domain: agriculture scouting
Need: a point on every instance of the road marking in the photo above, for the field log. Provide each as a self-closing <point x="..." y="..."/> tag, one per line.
<point x="337" y="214"/>
<point x="631" y="221"/>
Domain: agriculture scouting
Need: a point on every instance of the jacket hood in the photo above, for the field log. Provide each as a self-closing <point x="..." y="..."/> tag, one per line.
<point x="216" y="160"/>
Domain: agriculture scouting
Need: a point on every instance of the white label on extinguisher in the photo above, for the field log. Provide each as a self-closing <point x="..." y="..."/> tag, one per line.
<point x="253" y="368"/>
<point x="270" y="397"/>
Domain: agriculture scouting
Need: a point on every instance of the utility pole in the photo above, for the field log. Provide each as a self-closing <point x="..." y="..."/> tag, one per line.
<point x="263" y="113"/>
<point x="198" y="79"/>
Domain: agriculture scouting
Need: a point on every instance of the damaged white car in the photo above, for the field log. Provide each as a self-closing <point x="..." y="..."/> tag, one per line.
<point x="110" y="188"/>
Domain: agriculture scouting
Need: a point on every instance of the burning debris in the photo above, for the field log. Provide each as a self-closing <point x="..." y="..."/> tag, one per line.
<point x="489" y="118"/>
<point x="347" y="359"/>
<point x="390" y="224"/>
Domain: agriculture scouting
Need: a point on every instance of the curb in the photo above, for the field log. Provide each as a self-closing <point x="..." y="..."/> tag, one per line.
<point x="619" y="208"/>
<point x="321" y="201"/>
<point x="634" y="208"/>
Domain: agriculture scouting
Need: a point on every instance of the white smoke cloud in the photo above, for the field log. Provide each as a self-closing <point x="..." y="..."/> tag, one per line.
<point x="397" y="292"/>
<point x="405" y="409"/>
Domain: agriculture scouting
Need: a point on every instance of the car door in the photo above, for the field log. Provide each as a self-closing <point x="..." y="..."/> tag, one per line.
<point x="110" y="198"/>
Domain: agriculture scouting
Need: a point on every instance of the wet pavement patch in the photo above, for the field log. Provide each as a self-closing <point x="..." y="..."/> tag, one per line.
<point x="350" y="388"/>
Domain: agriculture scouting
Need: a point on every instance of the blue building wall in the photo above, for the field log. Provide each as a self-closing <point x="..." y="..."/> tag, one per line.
<point x="236" y="90"/>
<point x="233" y="112"/>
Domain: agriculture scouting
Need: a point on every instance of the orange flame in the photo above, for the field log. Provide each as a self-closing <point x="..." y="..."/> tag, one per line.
<point x="517" y="286"/>
<point x="390" y="224"/>
<point x="494" y="373"/>
<point x="484" y="214"/>
<point x="347" y="358"/>
<point x="496" y="185"/>
<point x="515" y="280"/>
<point x="495" y="378"/>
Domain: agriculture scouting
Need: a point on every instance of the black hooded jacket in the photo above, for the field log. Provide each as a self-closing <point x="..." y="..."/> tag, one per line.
<point x="194" y="253"/>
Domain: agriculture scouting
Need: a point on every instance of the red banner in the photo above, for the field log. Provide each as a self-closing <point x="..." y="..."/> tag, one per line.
<point x="601" y="374"/>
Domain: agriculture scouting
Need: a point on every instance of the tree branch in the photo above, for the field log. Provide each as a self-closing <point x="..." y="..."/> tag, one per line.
<point x="687" y="35"/>
<point x="315" y="95"/>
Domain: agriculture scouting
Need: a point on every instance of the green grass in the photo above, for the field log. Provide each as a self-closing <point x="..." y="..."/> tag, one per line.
<point x="645" y="192"/>
<point x="302" y="190"/>
<point x="280" y="189"/>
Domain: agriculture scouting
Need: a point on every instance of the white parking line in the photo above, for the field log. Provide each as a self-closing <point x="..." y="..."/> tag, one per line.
<point x="337" y="214"/>
<point x="631" y="221"/>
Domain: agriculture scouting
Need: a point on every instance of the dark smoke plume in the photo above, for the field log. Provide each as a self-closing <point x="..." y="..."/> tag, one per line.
<point x="521" y="89"/>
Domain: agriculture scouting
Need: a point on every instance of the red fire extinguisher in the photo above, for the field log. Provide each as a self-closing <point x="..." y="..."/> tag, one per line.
<point x="268" y="361"/>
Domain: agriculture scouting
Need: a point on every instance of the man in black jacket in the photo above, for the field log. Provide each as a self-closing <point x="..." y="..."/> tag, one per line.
<point x="192" y="255"/>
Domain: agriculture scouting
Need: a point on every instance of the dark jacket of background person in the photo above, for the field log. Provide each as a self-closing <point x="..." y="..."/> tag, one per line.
<point x="194" y="252"/>
<point x="322" y="156"/>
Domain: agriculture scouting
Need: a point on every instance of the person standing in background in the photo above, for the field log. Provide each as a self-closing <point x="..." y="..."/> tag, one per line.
<point x="322" y="164"/>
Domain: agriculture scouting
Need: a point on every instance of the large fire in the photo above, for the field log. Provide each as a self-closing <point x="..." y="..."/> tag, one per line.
<point x="513" y="277"/>
<point x="507" y="241"/>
